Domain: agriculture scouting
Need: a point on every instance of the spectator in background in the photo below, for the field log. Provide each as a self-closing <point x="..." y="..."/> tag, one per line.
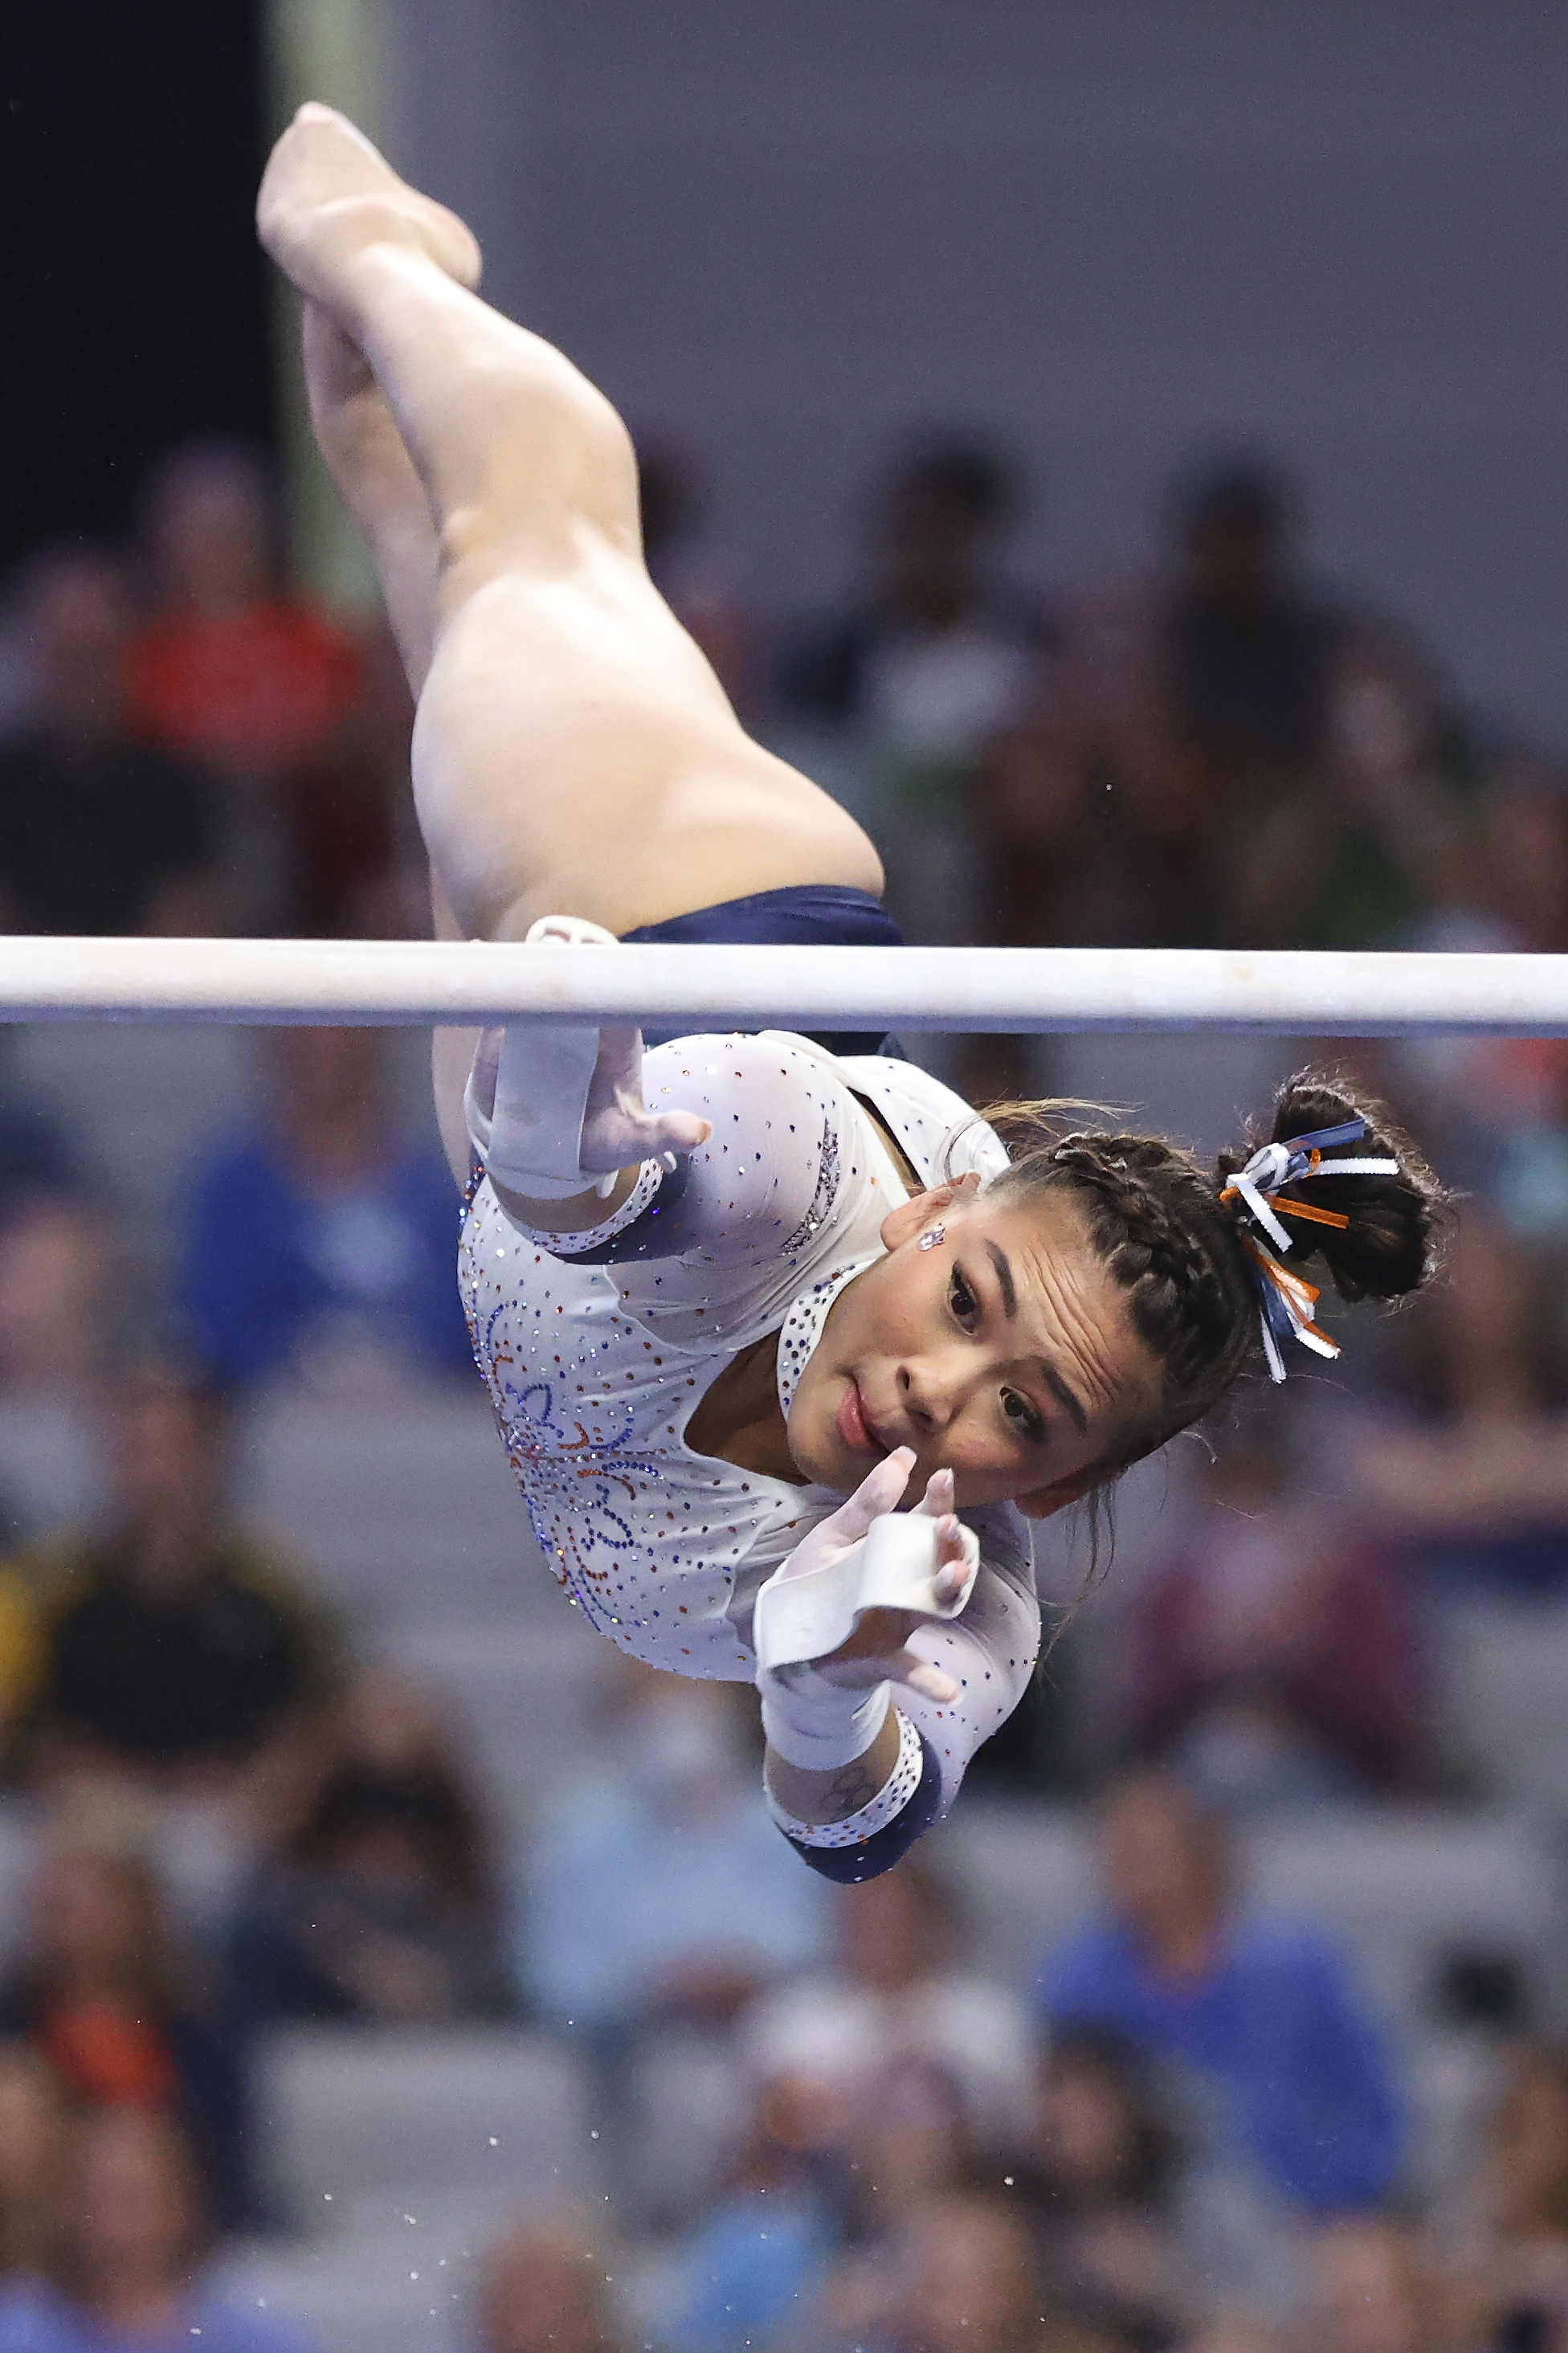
<point x="542" y="2292"/>
<point x="32" y="2146"/>
<point x="231" y="671"/>
<point x="1250" y="652"/>
<point x="125" y="2273"/>
<point x="657" y="1905"/>
<point x="1524" y="855"/>
<point x="377" y="1901"/>
<point x="1205" y="689"/>
<point x="1050" y="875"/>
<point x="969" y="2286"/>
<point x="653" y="1891"/>
<point x="1261" y="766"/>
<point x="751" y="2268"/>
<point x="1375" y="2293"/>
<point x="55" y="1296"/>
<point x="938" y="656"/>
<point x="98" y="833"/>
<point x="1350" y="854"/>
<point x="1284" y="2077"/>
<point x="1478" y="1492"/>
<point x="319" y="1241"/>
<point x="1514" y="2288"/>
<point x="61" y="1299"/>
<point x="1273" y="1656"/>
<point x="1100" y="2189"/>
<point x="173" y="1655"/>
<point x="1494" y="1111"/>
<point x="908" y="2142"/>
<point x="898" y="1991"/>
<point x="56" y="1306"/>
<point x="101" y="1996"/>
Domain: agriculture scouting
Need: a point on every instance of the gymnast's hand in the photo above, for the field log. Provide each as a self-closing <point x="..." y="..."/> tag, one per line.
<point x="553" y="1108"/>
<point x="619" y="1129"/>
<point x="877" y="1650"/>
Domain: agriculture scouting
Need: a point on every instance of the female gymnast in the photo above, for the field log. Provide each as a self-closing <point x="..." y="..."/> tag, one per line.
<point x="719" y="1286"/>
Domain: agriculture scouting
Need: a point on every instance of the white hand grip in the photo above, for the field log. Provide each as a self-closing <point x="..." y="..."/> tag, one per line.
<point x="894" y="1567"/>
<point x="531" y="1139"/>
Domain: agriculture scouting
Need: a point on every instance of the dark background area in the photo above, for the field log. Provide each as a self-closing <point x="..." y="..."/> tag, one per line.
<point x="136" y="304"/>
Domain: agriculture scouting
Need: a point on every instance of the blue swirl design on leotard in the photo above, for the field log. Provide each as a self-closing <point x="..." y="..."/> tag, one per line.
<point x="568" y="1482"/>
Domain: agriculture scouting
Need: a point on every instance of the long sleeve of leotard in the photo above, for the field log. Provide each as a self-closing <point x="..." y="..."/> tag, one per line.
<point x="790" y="1183"/>
<point x="785" y="1133"/>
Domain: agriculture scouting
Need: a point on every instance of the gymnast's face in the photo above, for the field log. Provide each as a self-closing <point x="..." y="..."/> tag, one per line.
<point x="1004" y="1352"/>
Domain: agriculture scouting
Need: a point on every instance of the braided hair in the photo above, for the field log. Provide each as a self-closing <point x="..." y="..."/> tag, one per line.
<point x="1157" y="1222"/>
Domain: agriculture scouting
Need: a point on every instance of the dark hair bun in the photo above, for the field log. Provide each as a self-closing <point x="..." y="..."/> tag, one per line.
<point x="1389" y="1247"/>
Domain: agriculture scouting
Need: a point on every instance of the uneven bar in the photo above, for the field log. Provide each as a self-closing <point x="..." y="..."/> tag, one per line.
<point x="694" y="989"/>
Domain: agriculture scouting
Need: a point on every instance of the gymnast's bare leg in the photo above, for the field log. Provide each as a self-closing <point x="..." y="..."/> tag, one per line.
<point x="358" y="437"/>
<point x="573" y="751"/>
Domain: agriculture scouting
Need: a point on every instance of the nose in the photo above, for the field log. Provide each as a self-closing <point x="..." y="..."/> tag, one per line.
<point x="929" y="1401"/>
<point x="913" y="1403"/>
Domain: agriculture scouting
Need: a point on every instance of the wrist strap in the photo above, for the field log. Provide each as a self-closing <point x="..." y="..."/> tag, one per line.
<point x="816" y="1724"/>
<point x="889" y="1800"/>
<point x="535" y="1141"/>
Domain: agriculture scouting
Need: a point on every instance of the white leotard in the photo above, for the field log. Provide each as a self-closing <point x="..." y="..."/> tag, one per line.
<point x="594" y="1370"/>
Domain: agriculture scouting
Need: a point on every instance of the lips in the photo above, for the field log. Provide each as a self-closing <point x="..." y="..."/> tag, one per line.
<point x="853" y="1426"/>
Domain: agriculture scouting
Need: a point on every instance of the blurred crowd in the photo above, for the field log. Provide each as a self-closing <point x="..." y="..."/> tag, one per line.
<point x="823" y="2119"/>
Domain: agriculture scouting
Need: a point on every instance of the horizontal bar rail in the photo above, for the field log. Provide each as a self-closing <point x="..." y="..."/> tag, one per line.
<point x="680" y="988"/>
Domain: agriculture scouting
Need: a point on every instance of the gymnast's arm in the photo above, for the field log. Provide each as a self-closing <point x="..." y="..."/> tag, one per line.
<point x="776" y="1126"/>
<point x="853" y="1824"/>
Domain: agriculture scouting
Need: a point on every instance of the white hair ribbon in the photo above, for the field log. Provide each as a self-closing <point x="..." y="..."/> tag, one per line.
<point x="1286" y="1301"/>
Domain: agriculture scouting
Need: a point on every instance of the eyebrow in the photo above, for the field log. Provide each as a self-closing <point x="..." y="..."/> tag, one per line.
<point x="998" y="1257"/>
<point x="1053" y="1379"/>
<point x="1065" y="1400"/>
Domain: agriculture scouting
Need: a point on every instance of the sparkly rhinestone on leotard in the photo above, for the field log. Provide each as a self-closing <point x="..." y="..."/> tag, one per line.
<point x="595" y="1371"/>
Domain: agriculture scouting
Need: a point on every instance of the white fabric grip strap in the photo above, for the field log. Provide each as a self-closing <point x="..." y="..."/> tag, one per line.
<point x="888" y="1802"/>
<point x="805" y="1614"/>
<point x="531" y="1138"/>
<point x="535" y="1140"/>
<point x="815" y="1725"/>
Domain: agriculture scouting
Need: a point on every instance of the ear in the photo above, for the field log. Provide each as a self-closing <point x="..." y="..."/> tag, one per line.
<point x="1044" y="1503"/>
<point x="913" y="1216"/>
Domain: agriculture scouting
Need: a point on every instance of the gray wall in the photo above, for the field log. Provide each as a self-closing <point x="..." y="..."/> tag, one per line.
<point x="1110" y="227"/>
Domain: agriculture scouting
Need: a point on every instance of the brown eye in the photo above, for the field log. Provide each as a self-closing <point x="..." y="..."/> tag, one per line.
<point x="1022" y="1415"/>
<point x="960" y="1299"/>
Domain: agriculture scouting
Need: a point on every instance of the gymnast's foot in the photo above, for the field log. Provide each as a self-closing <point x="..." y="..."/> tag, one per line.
<point x="326" y="194"/>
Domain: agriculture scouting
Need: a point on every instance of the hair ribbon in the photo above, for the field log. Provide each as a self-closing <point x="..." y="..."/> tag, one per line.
<point x="1286" y="1301"/>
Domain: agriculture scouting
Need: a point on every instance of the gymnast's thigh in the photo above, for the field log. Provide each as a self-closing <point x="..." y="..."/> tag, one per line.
<point x="574" y="754"/>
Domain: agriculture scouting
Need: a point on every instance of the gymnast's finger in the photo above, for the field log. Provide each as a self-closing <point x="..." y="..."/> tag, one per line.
<point x="937" y="1500"/>
<point x="921" y="1677"/>
<point x="677" y="1130"/>
<point x="879" y="1491"/>
<point x="957" y="1569"/>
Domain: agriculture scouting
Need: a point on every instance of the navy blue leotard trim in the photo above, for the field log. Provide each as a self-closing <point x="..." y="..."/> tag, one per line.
<point x="647" y="1236"/>
<point x="814" y="914"/>
<point x="849" y="1865"/>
